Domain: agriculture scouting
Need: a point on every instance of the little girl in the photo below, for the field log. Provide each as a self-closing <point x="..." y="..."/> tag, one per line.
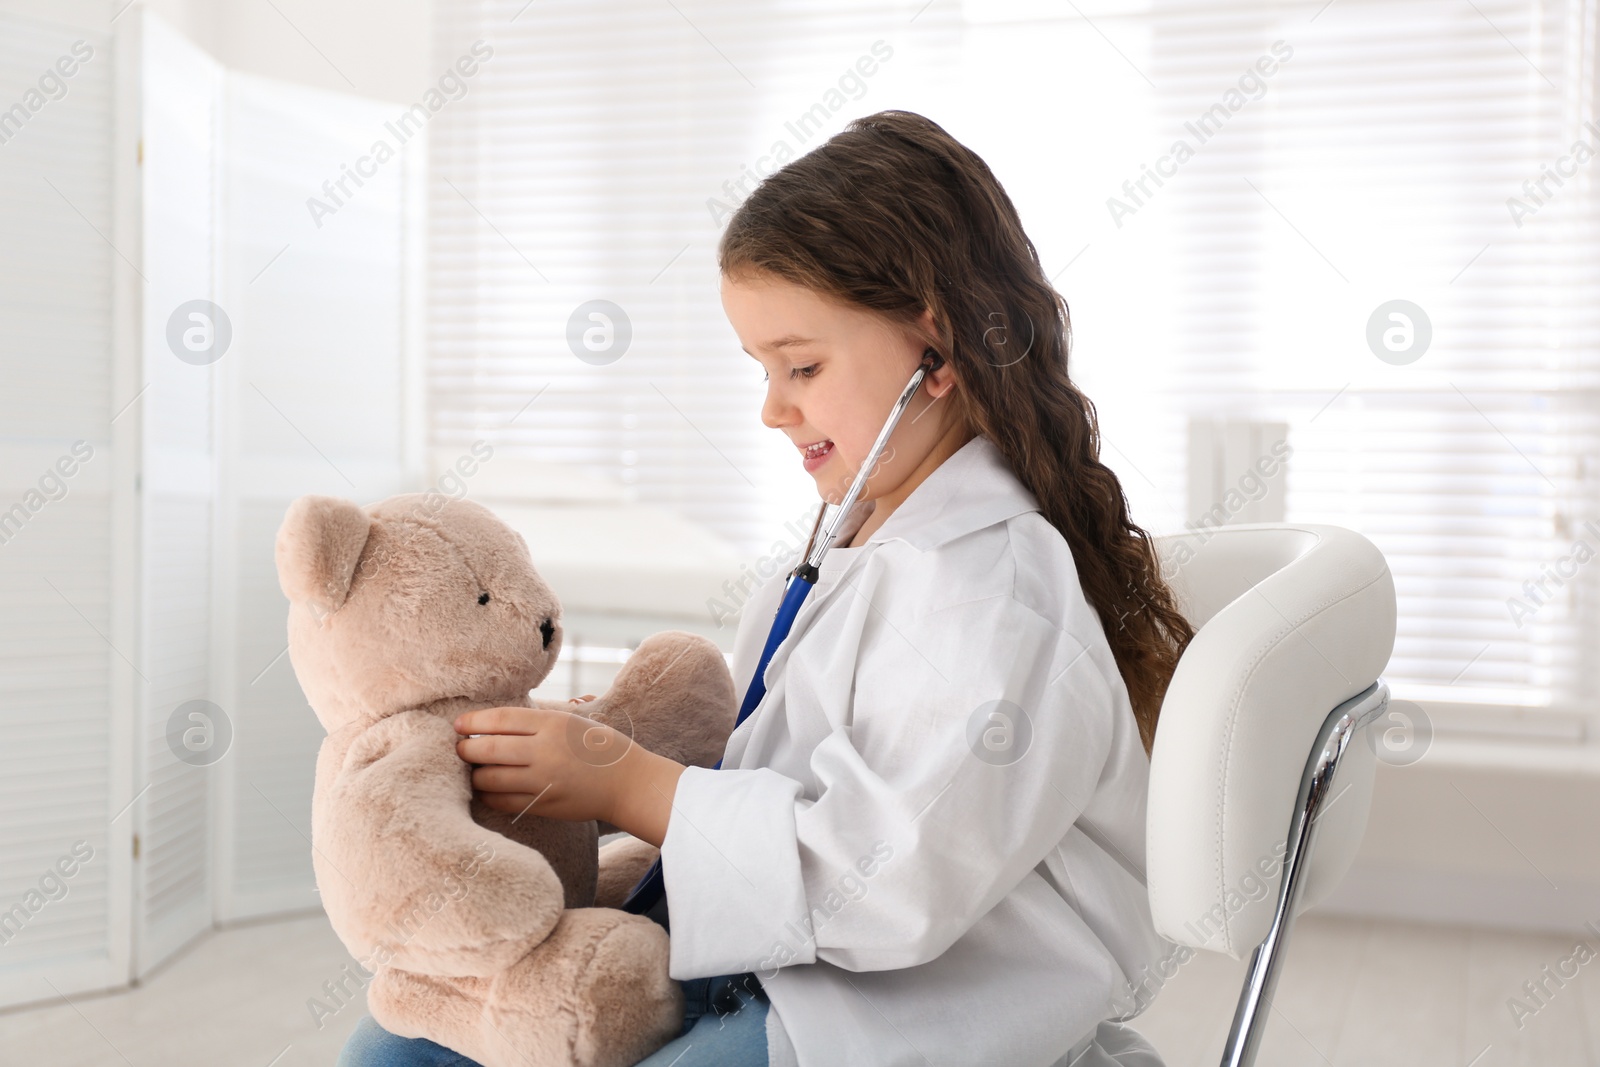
<point x="926" y="844"/>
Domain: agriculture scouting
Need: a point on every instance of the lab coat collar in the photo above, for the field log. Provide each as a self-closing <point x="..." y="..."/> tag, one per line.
<point x="972" y="489"/>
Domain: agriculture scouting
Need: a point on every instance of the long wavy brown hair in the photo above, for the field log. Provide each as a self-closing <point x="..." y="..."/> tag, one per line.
<point x="896" y="216"/>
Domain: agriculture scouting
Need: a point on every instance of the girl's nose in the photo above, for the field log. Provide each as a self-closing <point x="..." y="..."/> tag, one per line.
<point x="775" y="411"/>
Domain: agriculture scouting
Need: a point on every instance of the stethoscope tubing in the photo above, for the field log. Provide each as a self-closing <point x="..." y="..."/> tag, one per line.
<point x="649" y="890"/>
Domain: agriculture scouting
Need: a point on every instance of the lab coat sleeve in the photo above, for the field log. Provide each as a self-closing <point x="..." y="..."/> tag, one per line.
<point x="977" y="735"/>
<point x="731" y="867"/>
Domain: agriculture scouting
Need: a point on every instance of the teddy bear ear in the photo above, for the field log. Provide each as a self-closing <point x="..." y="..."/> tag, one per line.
<point x="317" y="549"/>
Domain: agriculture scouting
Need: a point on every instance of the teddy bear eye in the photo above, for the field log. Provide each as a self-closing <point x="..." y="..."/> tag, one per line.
<point x="547" y="630"/>
<point x="483" y="598"/>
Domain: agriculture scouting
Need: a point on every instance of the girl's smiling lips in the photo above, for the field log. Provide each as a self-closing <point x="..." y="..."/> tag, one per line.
<point x="816" y="453"/>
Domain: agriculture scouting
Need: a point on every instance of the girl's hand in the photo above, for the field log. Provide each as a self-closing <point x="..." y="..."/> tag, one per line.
<point x="561" y="765"/>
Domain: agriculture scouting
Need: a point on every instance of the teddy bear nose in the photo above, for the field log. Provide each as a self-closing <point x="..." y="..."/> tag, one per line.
<point x="548" y="630"/>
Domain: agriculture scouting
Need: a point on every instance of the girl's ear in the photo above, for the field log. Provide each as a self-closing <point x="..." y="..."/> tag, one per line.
<point x="942" y="378"/>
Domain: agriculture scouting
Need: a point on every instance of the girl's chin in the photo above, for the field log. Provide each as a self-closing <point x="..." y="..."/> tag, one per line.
<point x="833" y="490"/>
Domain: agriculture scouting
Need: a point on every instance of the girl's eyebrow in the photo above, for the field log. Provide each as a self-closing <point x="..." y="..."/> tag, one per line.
<point x="788" y="341"/>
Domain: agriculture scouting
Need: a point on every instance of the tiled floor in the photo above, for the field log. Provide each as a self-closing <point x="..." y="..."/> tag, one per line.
<point x="1371" y="993"/>
<point x="1357" y="993"/>
<point x="235" y="998"/>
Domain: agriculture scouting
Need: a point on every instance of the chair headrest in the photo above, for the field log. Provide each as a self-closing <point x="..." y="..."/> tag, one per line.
<point x="1291" y="620"/>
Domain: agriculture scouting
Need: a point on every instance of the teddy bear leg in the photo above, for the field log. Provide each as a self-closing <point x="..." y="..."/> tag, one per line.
<point x="445" y="1010"/>
<point x="595" y="994"/>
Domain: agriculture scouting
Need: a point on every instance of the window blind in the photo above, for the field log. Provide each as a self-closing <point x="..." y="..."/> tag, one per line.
<point x="595" y="156"/>
<point x="1336" y="158"/>
<point x="1382" y="162"/>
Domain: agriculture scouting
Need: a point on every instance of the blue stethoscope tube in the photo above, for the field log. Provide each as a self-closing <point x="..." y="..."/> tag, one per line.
<point x="650" y="889"/>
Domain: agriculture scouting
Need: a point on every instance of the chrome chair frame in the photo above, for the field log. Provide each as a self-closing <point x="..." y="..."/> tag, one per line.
<point x="1343" y="723"/>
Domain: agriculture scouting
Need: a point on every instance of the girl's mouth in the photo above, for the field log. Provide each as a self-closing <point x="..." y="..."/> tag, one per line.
<point x="817" y="454"/>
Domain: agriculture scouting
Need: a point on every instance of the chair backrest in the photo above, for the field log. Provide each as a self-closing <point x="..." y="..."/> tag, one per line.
<point x="1291" y="619"/>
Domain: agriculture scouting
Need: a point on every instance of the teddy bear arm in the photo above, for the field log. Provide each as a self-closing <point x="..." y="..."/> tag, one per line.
<point x="673" y="696"/>
<point x="623" y="861"/>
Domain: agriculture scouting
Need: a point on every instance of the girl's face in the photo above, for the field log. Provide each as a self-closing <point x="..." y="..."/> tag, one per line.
<point x="834" y="372"/>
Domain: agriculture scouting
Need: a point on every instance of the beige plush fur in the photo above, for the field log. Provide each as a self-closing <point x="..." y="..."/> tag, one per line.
<point x="481" y="927"/>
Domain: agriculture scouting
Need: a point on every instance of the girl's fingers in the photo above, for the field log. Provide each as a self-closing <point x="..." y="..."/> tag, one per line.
<point x="502" y="720"/>
<point x="493" y="749"/>
<point x="500" y="779"/>
<point x="515" y="803"/>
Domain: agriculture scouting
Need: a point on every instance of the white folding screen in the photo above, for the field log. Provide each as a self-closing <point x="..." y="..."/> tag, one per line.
<point x="315" y="396"/>
<point x="182" y="734"/>
<point x="66" y="662"/>
<point x="158" y="766"/>
<point x="299" y="386"/>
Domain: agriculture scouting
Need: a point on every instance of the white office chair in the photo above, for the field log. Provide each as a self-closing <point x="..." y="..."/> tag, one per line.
<point x="1261" y="776"/>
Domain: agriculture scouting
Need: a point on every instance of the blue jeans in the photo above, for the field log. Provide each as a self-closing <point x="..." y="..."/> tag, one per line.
<point x="724" y="1024"/>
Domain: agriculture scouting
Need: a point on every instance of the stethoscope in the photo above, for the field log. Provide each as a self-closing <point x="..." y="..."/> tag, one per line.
<point x="648" y="892"/>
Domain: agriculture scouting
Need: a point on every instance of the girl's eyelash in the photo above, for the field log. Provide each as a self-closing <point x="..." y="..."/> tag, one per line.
<point x="807" y="372"/>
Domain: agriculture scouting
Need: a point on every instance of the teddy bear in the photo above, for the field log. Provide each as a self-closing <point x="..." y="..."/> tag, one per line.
<point x="495" y="935"/>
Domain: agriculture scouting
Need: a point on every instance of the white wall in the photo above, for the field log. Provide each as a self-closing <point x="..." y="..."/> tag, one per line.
<point x="373" y="48"/>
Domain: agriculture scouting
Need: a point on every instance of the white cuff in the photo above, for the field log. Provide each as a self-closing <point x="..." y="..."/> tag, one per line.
<point x="731" y="863"/>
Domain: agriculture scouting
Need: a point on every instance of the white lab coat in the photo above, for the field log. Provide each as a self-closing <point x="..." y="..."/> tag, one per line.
<point x="917" y="881"/>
